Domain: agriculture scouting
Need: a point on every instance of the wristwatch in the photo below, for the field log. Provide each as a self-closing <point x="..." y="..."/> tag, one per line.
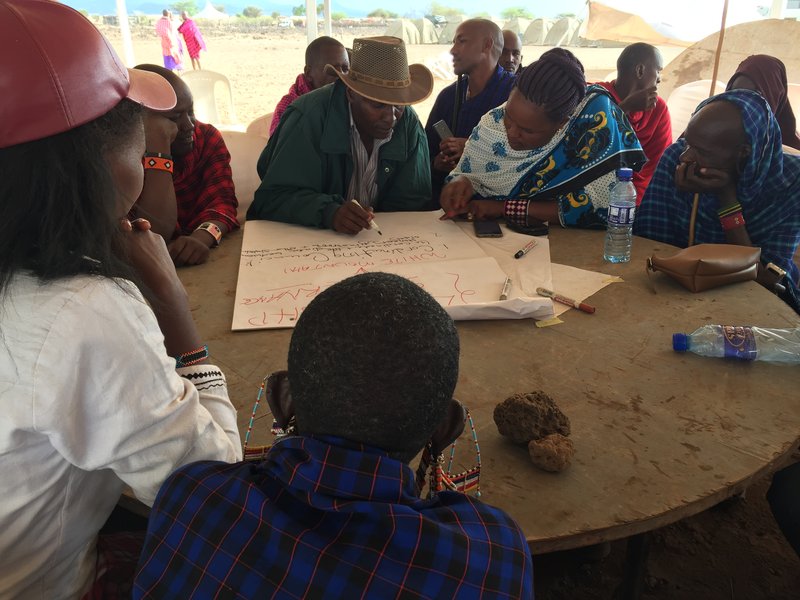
<point x="211" y="228"/>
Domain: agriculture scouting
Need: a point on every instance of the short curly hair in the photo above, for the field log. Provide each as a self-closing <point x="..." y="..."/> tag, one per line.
<point x="374" y="359"/>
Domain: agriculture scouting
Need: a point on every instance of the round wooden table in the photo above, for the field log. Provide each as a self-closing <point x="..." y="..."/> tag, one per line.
<point x="659" y="435"/>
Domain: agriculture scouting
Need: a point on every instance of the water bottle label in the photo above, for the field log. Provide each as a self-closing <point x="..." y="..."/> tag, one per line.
<point x="739" y="342"/>
<point x="621" y="215"/>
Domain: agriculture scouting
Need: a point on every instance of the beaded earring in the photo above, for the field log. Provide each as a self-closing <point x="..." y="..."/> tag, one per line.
<point x="443" y="479"/>
<point x="257" y="453"/>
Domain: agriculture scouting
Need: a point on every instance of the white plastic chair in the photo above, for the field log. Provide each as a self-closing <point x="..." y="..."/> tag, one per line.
<point x="684" y="99"/>
<point x="207" y="88"/>
<point x="245" y="148"/>
<point x="260" y="125"/>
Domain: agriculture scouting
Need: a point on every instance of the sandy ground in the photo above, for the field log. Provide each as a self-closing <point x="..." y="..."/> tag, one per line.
<point x="729" y="553"/>
<point x="262" y="67"/>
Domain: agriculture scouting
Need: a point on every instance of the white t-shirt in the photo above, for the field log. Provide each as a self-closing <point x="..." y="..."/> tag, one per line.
<point x="90" y="402"/>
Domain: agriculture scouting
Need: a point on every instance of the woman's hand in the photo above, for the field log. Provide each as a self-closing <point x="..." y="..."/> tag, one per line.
<point x="486" y="210"/>
<point x="165" y="292"/>
<point x="456" y="196"/>
<point x="150" y="258"/>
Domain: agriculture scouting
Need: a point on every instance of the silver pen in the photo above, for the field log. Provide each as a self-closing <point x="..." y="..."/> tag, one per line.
<point x="506" y="289"/>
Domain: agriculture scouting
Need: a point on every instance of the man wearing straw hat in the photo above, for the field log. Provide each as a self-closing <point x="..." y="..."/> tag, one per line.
<point x="356" y="139"/>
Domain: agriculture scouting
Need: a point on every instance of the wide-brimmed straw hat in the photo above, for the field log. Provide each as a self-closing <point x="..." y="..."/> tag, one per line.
<point x="379" y="71"/>
<point x="57" y="72"/>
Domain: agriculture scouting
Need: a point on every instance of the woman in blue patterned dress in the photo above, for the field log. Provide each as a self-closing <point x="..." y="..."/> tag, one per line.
<point x="548" y="154"/>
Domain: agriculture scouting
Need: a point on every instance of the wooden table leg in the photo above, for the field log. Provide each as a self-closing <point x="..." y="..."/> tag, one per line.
<point x="636" y="556"/>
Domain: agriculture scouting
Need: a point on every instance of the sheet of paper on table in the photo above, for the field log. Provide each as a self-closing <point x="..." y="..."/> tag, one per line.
<point x="577" y="284"/>
<point x="283" y="267"/>
<point x="535" y="269"/>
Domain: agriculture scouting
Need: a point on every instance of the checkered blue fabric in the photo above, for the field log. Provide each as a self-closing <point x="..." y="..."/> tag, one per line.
<point x="320" y="517"/>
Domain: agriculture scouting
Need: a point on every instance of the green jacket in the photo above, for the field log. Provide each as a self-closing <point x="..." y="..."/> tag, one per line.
<point x="306" y="167"/>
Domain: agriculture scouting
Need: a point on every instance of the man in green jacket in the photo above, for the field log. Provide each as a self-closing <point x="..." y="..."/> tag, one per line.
<point x="352" y="147"/>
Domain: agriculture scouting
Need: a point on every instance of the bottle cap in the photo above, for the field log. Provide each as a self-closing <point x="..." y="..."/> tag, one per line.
<point x="680" y="342"/>
<point x="625" y="174"/>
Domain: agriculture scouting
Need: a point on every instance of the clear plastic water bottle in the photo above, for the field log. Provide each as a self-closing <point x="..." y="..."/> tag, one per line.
<point x="621" y="209"/>
<point x="744" y="343"/>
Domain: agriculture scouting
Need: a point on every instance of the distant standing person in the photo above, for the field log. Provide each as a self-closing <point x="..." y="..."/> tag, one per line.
<point x="170" y="47"/>
<point x="511" y="57"/>
<point x="193" y="38"/>
<point x="322" y="51"/>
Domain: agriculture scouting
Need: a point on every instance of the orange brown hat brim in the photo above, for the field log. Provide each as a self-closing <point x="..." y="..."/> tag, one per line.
<point x="419" y="89"/>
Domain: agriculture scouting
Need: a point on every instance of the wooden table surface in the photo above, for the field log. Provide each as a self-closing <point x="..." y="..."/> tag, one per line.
<point x="659" y="435"/>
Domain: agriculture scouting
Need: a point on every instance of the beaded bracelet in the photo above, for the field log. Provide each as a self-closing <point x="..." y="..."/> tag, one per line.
<point x="729" y="210"/>
<point x="732" y="221"/>
<point x="187" y="359"/>
<point x="158" y="161"/>
<point x="516" y="211"/>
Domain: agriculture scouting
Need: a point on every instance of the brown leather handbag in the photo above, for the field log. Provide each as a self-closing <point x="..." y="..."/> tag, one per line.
<point x="706" y="266"/>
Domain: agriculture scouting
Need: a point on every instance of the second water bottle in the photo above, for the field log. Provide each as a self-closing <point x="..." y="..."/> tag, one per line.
<point x="621" y="210"/>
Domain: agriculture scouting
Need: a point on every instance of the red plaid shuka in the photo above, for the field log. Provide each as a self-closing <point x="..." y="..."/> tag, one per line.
<point x="204" y="184"/>
<point x="299" y="88"/>
<point x="117" y="556"/>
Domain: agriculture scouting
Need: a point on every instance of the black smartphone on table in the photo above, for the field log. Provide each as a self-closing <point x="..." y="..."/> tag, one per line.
<point x="533" y="229"/>
<point x="487" y="229"/>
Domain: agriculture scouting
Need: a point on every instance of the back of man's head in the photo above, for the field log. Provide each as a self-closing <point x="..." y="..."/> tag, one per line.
<point x="373" y="359"/>
<point x="633" y="55"/>
<point x="315" y="51"/>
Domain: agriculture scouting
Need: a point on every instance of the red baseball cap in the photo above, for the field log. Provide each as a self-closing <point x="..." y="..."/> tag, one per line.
<point x="58" y="72"/>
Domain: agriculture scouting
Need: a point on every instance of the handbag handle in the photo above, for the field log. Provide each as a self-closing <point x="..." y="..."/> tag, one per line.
<point x="693" y="218"/>
<point x="647" y="269"/>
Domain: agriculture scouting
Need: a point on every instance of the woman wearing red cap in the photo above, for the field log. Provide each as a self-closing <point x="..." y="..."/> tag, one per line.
<point x="98" y="390"/>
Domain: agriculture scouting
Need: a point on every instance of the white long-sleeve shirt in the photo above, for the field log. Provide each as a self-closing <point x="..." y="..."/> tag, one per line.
<point x="89" y="402"/>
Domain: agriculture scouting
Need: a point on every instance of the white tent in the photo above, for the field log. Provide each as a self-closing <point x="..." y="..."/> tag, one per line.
<point x="447" y="34"/>
<point x="561" y="33"/>
<point x="209" y="12"/>
<point x="405" y="30"/>
<point x="536" y="33"/>
<point x="773" y="36"/>
<point x="427" y="32"/>
<point x="518" y="25"/>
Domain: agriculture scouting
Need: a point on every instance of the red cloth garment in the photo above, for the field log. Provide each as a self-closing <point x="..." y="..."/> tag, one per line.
<point x="203" y="183"/>
<point x="299" y="88"/>
<point x="654" y="130"/>
<point x="769" y="76"/>
<point x="193" y="38"/>
<point x="165" y="33"/>
<point x="117" y="556"/>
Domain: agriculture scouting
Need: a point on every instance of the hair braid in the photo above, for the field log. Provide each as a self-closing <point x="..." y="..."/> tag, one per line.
<point x="556" y="81"/>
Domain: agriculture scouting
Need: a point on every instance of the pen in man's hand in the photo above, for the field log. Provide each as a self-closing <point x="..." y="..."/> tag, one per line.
<point x="372" y="223"/>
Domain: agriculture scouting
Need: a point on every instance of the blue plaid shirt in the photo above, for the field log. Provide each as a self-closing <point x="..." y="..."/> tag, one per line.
<point x="768" y="190"/>
<point x="321" y="517"/>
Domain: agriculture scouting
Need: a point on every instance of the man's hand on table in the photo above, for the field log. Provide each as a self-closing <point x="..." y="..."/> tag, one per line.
<point x="351" y="218"/>
<point x="189" y="250"/>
